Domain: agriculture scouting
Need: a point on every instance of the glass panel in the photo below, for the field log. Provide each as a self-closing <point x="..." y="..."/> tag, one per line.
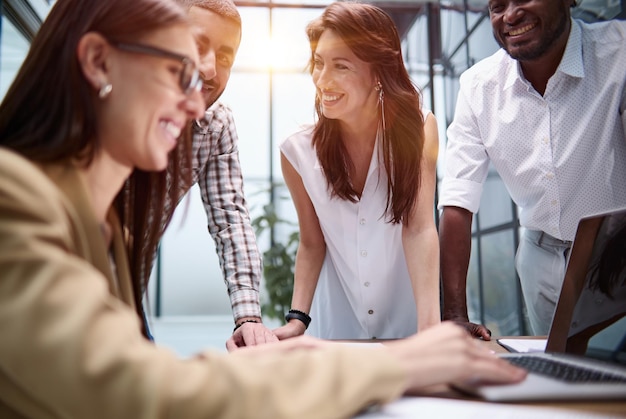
<point x="254" y="40"/>
<point x="474" y="297"/>
<point x="13" y="50"/>
<point x="495" y="205"/>
<point x="192" y="281"/>
<point x="500" y="283"/>
<point x="293" y="109"/>
<point x="290" y="48"/>
<point x="250" y="105"/>
<point x="596" y="10"/>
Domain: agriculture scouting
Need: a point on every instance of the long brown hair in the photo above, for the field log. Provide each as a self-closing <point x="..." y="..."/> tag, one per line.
<point x="48" y="114"/>
<point x="372" y="35"/>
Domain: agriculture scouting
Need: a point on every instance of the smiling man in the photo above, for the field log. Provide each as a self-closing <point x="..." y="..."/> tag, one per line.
<point x="547" y="111"/>
<point x="217" y="171"/>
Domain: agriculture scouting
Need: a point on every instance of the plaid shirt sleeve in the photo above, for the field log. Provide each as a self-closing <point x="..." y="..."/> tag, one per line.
<point x="218" y="173"/>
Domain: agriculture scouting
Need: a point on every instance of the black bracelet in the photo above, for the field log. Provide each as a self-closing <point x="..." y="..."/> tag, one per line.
<point x="237" y="326"/>
<point x="299" y="315"/>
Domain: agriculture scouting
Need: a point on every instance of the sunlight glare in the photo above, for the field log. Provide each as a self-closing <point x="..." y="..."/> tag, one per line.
<point x="281" y="51"/>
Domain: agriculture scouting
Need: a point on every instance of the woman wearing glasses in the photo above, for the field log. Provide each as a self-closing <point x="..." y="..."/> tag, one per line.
<point x="81" y="160"/>
<point x="99" y="102"/>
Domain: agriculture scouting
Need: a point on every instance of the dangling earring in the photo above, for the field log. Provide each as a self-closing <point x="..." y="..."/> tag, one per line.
<point x="381" y="102"/>
<point x="105" y="90"/>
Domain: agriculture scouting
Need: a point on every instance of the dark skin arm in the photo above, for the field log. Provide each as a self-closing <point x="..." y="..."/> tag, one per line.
<point x="455" y="241"/>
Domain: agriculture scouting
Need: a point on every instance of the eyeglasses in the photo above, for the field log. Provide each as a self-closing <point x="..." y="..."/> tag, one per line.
<point x="190" y="79"/>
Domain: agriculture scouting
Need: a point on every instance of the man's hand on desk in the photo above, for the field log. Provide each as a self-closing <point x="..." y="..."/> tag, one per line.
<point x="296" y="343"/>
<point x="250" y="332"/>
<point x="447" y="354"/>
<point x="476" y="330"/>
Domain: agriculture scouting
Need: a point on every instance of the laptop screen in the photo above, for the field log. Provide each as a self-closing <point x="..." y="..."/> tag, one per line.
<point x="590" y="318"/>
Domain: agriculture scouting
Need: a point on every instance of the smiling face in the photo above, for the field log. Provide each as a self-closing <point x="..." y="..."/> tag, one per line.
<point x="218" y="42"/>
<point x="345" y="84"/>
<point x="530" y="29"/>
<point x="142" y="118"/>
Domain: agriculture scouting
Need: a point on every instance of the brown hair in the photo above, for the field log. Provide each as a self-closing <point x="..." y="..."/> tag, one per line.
<point x="55" y="120"/>
<point x="372" y="35"/>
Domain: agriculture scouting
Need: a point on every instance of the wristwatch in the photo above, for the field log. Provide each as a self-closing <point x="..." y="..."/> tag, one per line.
<point x="298" y="315"/>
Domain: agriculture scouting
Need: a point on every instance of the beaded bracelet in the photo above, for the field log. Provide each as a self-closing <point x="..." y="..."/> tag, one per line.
<point x="299" y="315"/>
<point x="237" y="326"/>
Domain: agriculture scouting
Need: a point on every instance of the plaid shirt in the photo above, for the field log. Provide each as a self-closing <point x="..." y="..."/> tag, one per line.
<point x="217" y="171"/>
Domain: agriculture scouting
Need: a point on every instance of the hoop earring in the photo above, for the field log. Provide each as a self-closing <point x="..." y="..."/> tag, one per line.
<point x="105" y="90"/>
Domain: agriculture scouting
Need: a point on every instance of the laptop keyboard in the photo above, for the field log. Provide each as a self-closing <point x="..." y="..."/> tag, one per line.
<point x="563" y="371"/>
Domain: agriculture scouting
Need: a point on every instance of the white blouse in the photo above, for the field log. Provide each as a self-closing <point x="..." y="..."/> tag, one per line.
<point x="364" y="290"/>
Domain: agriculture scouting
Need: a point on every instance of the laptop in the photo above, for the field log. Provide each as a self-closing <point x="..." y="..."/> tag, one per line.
<point x="585" y="355"/>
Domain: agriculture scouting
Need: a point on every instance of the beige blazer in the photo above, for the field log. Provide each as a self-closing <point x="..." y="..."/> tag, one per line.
<point x="71" y="343"/>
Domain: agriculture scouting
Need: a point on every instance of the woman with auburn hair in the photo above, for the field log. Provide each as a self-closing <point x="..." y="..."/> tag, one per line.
<point x="363" y="184"/>
<point x="81" y="158"/>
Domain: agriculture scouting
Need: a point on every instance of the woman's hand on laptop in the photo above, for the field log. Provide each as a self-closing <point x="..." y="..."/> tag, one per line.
<point x="446" y="354"/>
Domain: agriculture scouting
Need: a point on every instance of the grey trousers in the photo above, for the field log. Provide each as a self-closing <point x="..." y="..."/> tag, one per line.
<point x="540" y="262"/>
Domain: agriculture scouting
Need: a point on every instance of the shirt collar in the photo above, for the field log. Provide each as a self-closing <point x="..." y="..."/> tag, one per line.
<point x="572" y="61"/>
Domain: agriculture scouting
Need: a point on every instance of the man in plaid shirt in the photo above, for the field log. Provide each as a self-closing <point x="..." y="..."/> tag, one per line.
<point x="217" y="171"/>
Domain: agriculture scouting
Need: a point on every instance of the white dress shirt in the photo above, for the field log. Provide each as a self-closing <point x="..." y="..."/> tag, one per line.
<point x="561" y="156"/>
<point x="364" y="290"/>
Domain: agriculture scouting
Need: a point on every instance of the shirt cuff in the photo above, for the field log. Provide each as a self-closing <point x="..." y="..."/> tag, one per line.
<point x="460" y="193"/>
<point x="245" y="303"/>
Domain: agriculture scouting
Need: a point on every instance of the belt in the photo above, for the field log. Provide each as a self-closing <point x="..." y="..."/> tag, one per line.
<point x="541" y="237"/>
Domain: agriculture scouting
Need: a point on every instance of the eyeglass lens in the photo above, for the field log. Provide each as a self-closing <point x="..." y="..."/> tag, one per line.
<point x="190" y="77"/>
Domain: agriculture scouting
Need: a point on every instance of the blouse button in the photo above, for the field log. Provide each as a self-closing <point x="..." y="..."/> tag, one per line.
<point x="370" y="311"/>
